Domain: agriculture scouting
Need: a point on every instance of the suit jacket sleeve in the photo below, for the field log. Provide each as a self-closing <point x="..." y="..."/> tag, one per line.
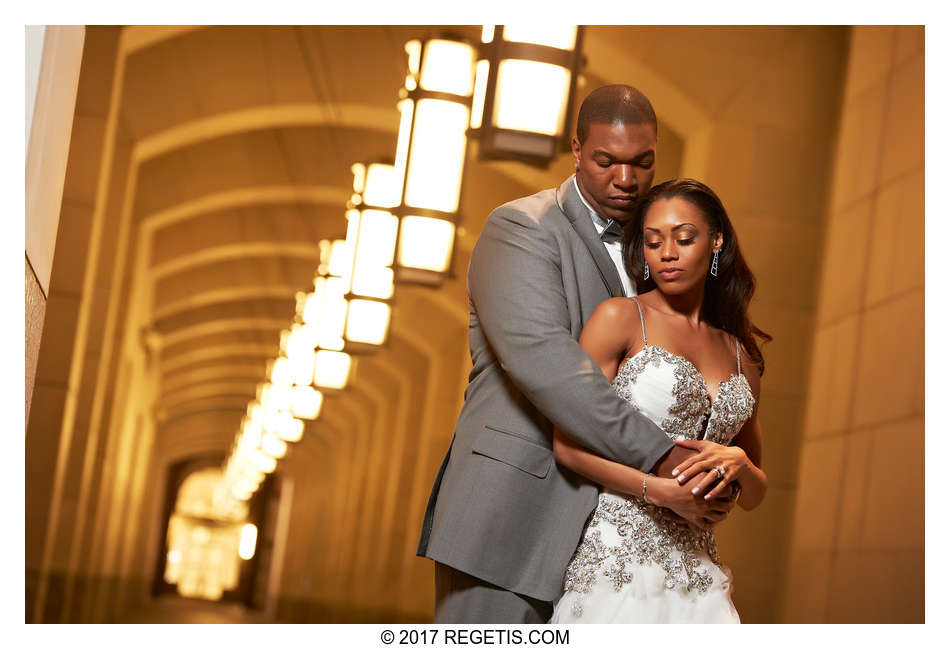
<point x="516" y="287"/>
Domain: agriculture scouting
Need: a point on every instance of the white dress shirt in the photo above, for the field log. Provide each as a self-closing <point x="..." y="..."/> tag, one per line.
<point x="614" y="248"/>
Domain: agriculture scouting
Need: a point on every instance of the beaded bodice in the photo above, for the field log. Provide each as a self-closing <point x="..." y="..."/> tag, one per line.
<point x="671" y="392"/>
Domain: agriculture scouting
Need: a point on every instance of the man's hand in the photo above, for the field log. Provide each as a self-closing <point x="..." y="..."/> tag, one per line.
<point x="687" y="508"/>
<point x="674" y="457"/>
<point x="694" y="510"/>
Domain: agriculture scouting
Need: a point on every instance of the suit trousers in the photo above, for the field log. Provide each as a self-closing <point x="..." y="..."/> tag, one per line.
<point x="461" y="598"/>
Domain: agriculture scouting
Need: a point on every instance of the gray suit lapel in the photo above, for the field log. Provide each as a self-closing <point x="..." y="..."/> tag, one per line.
<point x="576" y="212"/>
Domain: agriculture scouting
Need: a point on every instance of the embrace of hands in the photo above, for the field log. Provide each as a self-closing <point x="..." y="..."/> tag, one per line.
<point x="696" y="493"/>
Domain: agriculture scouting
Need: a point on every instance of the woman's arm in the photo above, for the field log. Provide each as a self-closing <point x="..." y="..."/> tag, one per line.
<point x="753" y="480"/>
<point x="665" y="492"/>
<point x="611" y="331"/>
<point x="742" y="459"/>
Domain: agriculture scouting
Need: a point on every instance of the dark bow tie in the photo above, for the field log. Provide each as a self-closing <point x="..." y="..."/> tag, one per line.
<point x="613" y="232"/>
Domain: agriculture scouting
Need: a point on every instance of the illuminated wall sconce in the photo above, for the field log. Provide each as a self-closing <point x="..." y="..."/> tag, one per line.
<point x="322" y="318"/>
<point x="402" y="217"/>
<point x="369" y="250"/>
<point x="525" y="84"/>
<point x="306" y="402"/>
<point x="262" y="439"/>
<point x="248" y="541"/>
<point x="332" y="369"/>
<point x="435" y="110"/>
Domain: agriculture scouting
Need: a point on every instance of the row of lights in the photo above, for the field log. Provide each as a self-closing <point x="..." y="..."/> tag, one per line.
<point x="512" y="93"/>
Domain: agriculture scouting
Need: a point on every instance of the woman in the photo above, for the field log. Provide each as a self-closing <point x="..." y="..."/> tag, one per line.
<point x="698" y="379"/>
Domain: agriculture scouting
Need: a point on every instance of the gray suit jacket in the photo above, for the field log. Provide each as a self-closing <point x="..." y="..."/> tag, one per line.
<point x="501" y="509"/>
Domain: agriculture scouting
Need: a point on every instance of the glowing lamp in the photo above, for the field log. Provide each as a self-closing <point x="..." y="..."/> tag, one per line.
<point x="525" y="84"/>
<point x="369" y="279"/>
<point x="248" y="541"/>
<point x="331" y="369"/>
<point x="306" y="402"/>
<point x="273" y="445"/>
<point x="435" y="110"/>
<point x="263" y="462"/>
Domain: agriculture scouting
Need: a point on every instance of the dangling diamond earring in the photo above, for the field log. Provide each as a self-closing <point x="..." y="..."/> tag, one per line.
<point x="646" y="272"/>
<point x="714" y="269"/>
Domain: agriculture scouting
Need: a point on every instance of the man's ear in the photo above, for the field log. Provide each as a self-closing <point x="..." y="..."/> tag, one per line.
<point x="576" y="150"/>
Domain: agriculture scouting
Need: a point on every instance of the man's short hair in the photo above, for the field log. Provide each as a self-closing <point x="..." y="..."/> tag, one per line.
<point x="614" y="104"/>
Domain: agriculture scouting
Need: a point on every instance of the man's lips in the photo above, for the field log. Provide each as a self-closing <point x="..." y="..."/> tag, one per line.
<point x="623" y="199"/>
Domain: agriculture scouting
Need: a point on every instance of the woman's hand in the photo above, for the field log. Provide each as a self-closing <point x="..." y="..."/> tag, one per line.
<point x="733" y="460"/>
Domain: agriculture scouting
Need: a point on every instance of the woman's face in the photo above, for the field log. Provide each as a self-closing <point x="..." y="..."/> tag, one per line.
<point x="678" y="245"/>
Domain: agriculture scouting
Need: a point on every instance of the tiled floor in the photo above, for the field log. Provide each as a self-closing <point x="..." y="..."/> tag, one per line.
<point x="175" y="610"/>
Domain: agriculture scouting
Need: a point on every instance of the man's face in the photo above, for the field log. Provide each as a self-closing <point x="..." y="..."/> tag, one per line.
<point x="615" y="166"/>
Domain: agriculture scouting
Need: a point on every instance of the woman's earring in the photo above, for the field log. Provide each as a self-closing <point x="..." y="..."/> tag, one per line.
<point x="714" y="269"/>
<point x="646" y="272"/>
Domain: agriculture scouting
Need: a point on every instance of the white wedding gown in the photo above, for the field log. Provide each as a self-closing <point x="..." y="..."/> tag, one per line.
<point x="633" y="566"/>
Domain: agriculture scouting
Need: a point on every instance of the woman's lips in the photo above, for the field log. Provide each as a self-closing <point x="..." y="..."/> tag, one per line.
<point x="670" y="273"/>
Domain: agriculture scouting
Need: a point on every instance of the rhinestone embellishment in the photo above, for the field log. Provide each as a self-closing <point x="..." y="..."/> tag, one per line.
<point x="645" y="536"/>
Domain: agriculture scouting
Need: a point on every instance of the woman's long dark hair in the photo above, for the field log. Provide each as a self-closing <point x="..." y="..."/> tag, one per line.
<point x="726" y="298"/>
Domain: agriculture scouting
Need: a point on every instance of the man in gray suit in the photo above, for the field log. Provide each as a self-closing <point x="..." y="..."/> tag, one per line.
<point x="503" y="520"/>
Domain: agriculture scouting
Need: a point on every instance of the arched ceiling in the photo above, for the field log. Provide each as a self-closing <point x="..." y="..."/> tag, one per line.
<point x="241" y="143"/>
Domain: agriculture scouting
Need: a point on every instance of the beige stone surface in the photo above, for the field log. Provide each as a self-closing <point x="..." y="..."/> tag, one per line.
<point x="788" y="179"/>
<point x="897" y="244"/>
<point x="878" y="587"/>
<point x="830" y="396"/>
<point x="46" y="157"/>
<point x="81" y="182"/>
<point x="872" y="51"/>
<point x="855" y="499"/>
<point x="816" y="501"/>
<point x="871" y="308"/>
<point x="730" y="180"/>
<point x="42" y="442"/>
<point x="781" y="420"/>
<point x="806" y="595"/>
<point x="766" y="526"/>
<point x="844" y="269"/>
<point x="909" y="41"/>
<point x="902" y="146"/>
<point x="783" y="96"/>
<point x="35" y="311"/>
<point x="780" y="278"/>
<point x="54" y="357"/>
<point x="74" y="227"/>
<point x="894" y="502"/>
<point x="890" y="374"/>
<point x="859" y="149"/>
<point x="784" y="358"/>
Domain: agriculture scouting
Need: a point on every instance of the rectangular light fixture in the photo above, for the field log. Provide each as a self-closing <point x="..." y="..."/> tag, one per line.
<point x="525" y="85"/>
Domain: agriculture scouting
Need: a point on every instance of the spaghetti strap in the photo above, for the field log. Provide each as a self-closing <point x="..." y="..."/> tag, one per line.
<point x="738" y="359"/>
<point x="642" y="326"/>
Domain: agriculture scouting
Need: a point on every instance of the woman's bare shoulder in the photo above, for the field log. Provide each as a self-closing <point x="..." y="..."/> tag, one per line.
<point x="648" y="302"/>
<point x="615" y="310"/>
<point x="614" y="323"/>
<point x="750" y="369"/>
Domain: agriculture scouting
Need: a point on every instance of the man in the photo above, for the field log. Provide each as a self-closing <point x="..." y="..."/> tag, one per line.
<point x="503" y="520"/>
